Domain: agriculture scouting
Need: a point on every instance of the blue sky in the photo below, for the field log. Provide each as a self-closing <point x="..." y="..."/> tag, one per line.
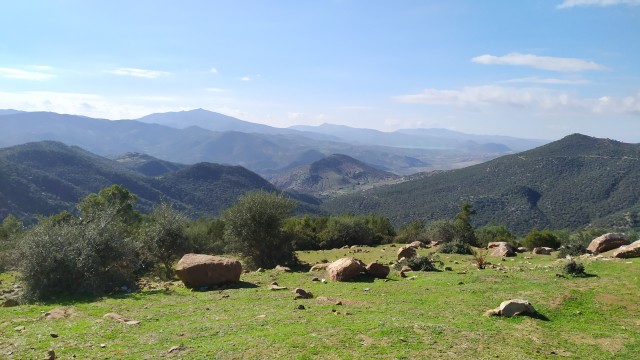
<point x="540" y="69"/>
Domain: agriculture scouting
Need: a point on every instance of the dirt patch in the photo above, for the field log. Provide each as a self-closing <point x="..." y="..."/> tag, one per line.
<point x="628" y="302"/>
<point x="491" y="280"/>
<point x="324" y="300"/>
<point x="612" y="345"/>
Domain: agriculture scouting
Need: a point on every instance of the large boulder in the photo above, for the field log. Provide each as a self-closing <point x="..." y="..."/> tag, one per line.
<point x="542" y="250"/>
<point x="345" y="269"/>
<point x="628" y="251"/>
<point x="500" y="248"/>
<point x="378" y="270"/>
<point x="418" y="245"/>
<point x="198" y="270"/>
<point x="607" y="242"/>
<point x="513" y="307"/>
<point x="407" y="251"/>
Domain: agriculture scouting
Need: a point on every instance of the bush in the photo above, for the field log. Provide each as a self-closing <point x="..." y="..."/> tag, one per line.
<point x="492" y="233"/>
<point x="442" y="231"/>
<point x="574" y="269"/>
<point x="571" y="250"/>
<point x="420" y="263"/>
<point x="206" y="237"/>
<point x="480" y="259"/>
<point x="544" y="238"/>
<point x="89" y="256"/>
<point x="254" y="230"/>
<point x="414" y="231"/>
<point x="456" y="247"/>
<point x="163" y="238"/>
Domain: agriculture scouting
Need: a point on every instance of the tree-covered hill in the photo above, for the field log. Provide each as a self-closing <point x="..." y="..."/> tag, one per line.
<point x="43" y="178"/>
<point x="569" y="183"/>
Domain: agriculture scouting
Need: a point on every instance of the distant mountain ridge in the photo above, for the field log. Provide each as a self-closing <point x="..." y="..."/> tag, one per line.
<point x="568" y="183"/>
<point x="43" y="178"/>
<point x="331" y="176"/>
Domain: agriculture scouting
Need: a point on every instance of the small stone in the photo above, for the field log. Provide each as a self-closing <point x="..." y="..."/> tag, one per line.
<point x="260" y="270"/>
<point x="448" y="268"/>
<point x="174" y="349"/>
<point x="19" y="328"/>
<point x="53" y="335"/>
<point x="366" y="289"/>
<point x="103" y="345"/>
<point x="324" y="281"/>
<point x="51" y="355"/>
<point x="300" y="307"/>
<point x="338" y="303"/>
<point x="315" y="279"/>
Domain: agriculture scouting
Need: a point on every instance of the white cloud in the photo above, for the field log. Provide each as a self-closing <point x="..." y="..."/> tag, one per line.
<point x="213" y="70"/>
<point x="214" y="90"/>
<point x="141" y="73"/>
<point x="539" y="62"/>
<point x="10" y="73"/>
<point x="245" y="78"/>
<point x="534" y="99"/>
<point x="547" y="81"/>
<point x="573" y="3"/>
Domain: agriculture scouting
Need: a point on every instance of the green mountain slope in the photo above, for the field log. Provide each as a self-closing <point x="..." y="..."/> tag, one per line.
<point x="332" y="175"/>
<point x="565" y="184"/>
<point x="46" y="177"/>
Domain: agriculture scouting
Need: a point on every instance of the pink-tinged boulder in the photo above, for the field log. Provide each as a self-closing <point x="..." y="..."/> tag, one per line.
<point x="407" y="252"/>
<point x="500" y="248"/>
<point x="318" y="267"/>
<point x="198" y="270"/>
<point x="378" y="270"/>
<point x="345" y="269"/>
<point x="542" y="250"/>
<point x="628" y="251"/>
<point x="607" y="242"/>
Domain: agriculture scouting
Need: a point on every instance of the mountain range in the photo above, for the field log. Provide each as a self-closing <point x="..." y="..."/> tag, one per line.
<point x="194" y="136"/>
<point x="569" y="183"/>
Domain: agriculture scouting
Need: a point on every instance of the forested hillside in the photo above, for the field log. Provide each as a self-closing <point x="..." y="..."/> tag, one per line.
<point x="569" y="183"/>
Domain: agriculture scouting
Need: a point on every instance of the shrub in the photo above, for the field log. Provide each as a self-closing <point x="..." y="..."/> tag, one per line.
<point x="206" y="237"/>
<point x="574" y="269"/>
<point x="163" y="238"/>
<point x="440" y="230"/>
<point x="574" y="249"/>
<point x="544" y="238"/>
<point x="491" y="233"/>
<point x="420" y="263"/>
<point x="464" y="229"/>
<point x="253" y="229"/>
<point x="89" y="256"/>
<point x="480" y="259"/>
<point x="456" y="247"/>
<point x="414" y="231"/>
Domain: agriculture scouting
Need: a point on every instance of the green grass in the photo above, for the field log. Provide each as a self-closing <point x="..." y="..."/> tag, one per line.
<point x="434" y="315"/>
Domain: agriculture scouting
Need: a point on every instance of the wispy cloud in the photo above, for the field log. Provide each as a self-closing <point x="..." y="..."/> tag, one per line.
<point x="546" y="81"/>
<point x="10" y="73"/>
<point x="601" y="3"/>
<point x="214" y="90"/>
<point x="213" y="70"/>
<point x="539" y="62"/>
<point x="141" y="73"/>
<point x="537" y="99"/>
<point x="245" y="78"/>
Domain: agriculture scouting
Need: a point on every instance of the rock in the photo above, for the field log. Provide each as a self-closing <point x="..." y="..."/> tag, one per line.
<point x="276" y="287"/>
<point x="448" y="268"/>
<point x="628" y="251"/>
<point x="174" y="349"/>
<point x="10" y="302"/>
<point x="407" y="252"/>
<point x="318" y="267"/>
<point x="58" y="313"/>
<point x="522" y="249"/>
<point x="513" y="307"/>
<point x="378" y="270"/>
<point x="315" y="279"/>
<point x="403" y="274"/>
<point x="542" y="250"/>
<point x="53" y="335"/>
<point x="300" y="307"/>
<point x="607" y="242"/>
<point x="198" y="270"/>
<point x="417" y="245"/>
<point x="405" y="269"/>
<point x="302" y="294"/>
<point x="51" y="355"/>
<point x="435" y="243"/>
<point x="282" y="268"/>
<point x="500" y="248"/>
<point x="258" y="271"/>
<point x="118" y="317"/>
<point x="19" y="328"/>
<point x="345" y="269"/>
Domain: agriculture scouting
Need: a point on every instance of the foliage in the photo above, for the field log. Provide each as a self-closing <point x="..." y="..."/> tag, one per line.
<point x="480" y="259"/>
<point x="163" y="237"/>
<point x="586" y="235"/>
<point x="456" y="247"/>
<point x="114" y="196"/>
<point x="573" y="249"/>
<point x="574" y="269"/>
<point x="206" y="236"/>
<point x="413" y="231"/>
<point x="88" y="256"/>
<point x="544" y="238"/>
<point x="253" y="229"/>
<point x="430" y="262"/>
<point x="492" y="233"/>
<point x="464" y="230"/>
<point x="442" y="231"/>
<point x="329" y="232"/>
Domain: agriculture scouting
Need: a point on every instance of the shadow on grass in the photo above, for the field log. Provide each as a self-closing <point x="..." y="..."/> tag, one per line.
<point x="229" y="286"/>
<point x="538" y="316"/>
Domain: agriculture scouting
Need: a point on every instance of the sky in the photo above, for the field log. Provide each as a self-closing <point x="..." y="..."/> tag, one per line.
<point x="535" y="69"/>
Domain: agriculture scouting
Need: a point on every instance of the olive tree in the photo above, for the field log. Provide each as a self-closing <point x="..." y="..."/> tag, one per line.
<point x="253" y="228"/>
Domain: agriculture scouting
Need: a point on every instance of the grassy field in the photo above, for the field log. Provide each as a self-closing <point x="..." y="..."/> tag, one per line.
<point x="436" y="315"/>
